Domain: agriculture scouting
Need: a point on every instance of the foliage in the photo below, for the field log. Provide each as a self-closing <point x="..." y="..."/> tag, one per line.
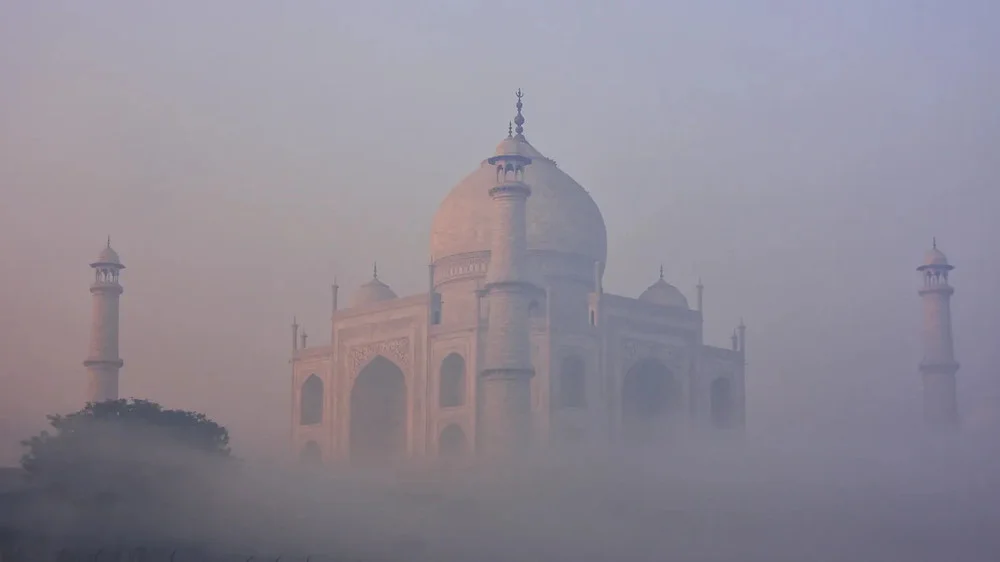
<point x="118" y="428"/>
<point x="124" y="457"/>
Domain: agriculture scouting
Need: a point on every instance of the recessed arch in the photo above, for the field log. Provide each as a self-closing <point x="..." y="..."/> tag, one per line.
<point x="721" y="403"/>
<point x="572" y="388"/>
<point x="311" y="401"/>
<point x="378" y="413"/>
<point x="651" y="394"/>
<point x="311" y="455"/>
<point x="452" y="442"/>
<point x="451" y="391"/>
<point x="534" y="309"/>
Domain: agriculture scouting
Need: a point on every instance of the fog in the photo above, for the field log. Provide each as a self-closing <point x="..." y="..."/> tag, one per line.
<point x="818" y="497"/>
<point x="797" y="158"/>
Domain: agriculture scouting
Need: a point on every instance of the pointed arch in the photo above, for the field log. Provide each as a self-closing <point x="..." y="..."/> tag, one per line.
<point x="452" y="442"/>
<point x="378" y="413"/>
<point x="721" y="403"/>
<point x="534" y="309"/>
<point x="572" y="388"/>
<point x="311" y="455"/>
<point x="451" y="391"/>
<point x="650" y="395"/>
<point x="311" y="401"/>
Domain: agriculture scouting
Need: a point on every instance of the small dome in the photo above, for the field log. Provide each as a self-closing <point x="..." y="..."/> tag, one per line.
<point x="108" y="257"/>
<point x="664" y="294"/>
<point x="935" y="257"/>
<point x="511" y="146"/>
<point x="372" y="292"/>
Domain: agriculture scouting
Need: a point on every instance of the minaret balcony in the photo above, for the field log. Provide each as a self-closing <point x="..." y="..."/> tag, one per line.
<point x="96" y="361"/>
<point x="943" y="289"/>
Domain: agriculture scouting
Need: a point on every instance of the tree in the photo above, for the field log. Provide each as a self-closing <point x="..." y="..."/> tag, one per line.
<point x="118" y="461"/>
<point x="118" y="429"/>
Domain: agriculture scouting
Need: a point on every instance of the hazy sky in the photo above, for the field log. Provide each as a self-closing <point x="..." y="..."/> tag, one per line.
<point x="798" y="156"/>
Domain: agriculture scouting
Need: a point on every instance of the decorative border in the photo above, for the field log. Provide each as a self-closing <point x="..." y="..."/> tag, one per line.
<point x="396" y="350"/>
<point x="672" y="356"/>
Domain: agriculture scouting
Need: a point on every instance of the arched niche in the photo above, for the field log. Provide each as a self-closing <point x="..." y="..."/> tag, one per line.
<point x="452" y="442"/>
<point x="451" y="391"/>
<point x="571" y="391"/>
<point x="721" y="403"/>
<point x="534" y="310"/>
<point x="378" y="413"/>
<point x="651" y="394"/>
<point x="311" y="455"/>
<point x="311" y="401"/>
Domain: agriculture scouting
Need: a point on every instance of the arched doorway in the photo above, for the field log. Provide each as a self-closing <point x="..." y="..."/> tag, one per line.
<point x="572" y="390"/>
<point x="452" y="443"/>
<point x="311" y="401"/>
<point x="650" y="395"/>
<point x="311" y="455"/>
<point x="452" y="382"/>
<point x="721" y="403"/>
<point x="378" y="413"/>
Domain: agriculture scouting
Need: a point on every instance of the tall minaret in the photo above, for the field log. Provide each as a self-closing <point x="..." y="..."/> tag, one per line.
<point x="103" y="361"/>
<point x="507" y="368"/>
<point x="938" y="366"/>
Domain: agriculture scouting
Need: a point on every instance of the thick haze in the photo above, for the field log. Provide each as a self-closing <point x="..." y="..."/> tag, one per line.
<point x="798" y="156"/>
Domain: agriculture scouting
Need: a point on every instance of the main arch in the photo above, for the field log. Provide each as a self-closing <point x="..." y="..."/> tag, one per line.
<point x="721" y="403"/>
<point x="378" y="413"/>
<point x="651" y="394"/>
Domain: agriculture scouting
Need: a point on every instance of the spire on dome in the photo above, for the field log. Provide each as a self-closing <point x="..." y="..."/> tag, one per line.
<point x="519" y="119"/>
<point x="375" y="270"/>
<point x="109" y="241"/>
<point x="664" y="294"/>
<point x="510" y="129"/>
<point x="108" y="257"/>
<point x="934" y="242"/>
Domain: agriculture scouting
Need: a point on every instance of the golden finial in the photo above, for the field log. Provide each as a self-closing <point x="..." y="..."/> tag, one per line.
<point x="519" y="119"/>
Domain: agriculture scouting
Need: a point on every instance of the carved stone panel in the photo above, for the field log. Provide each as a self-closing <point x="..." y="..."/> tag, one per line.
<point x="396" y="350"/>
<point x="671" y="356"/>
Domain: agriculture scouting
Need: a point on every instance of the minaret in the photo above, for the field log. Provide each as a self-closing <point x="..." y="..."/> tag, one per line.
<point x="507" y="368"/>
<point x="103" y="361"/>
<point x="335" y="289"/>
<point x="938" y="366"/>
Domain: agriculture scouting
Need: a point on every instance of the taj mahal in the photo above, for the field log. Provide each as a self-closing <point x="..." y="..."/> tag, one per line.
<point x="514" y="342"/>
<point x="515" y="345"/>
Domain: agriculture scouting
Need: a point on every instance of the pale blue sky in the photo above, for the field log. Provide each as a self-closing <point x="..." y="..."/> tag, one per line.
<point x="798" y="156"/>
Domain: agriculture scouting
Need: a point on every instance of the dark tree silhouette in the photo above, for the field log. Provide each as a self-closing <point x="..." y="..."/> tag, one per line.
<point x="118" y="429"/>
<point x="118" y="461"/>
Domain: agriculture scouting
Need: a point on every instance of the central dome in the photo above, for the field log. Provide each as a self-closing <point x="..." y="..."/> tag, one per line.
<point x="561" y="215"/>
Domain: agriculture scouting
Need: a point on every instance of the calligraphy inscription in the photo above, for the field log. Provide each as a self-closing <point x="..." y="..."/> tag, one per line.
<point x="634" y="349"/>
<point x="396" y="350"/>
